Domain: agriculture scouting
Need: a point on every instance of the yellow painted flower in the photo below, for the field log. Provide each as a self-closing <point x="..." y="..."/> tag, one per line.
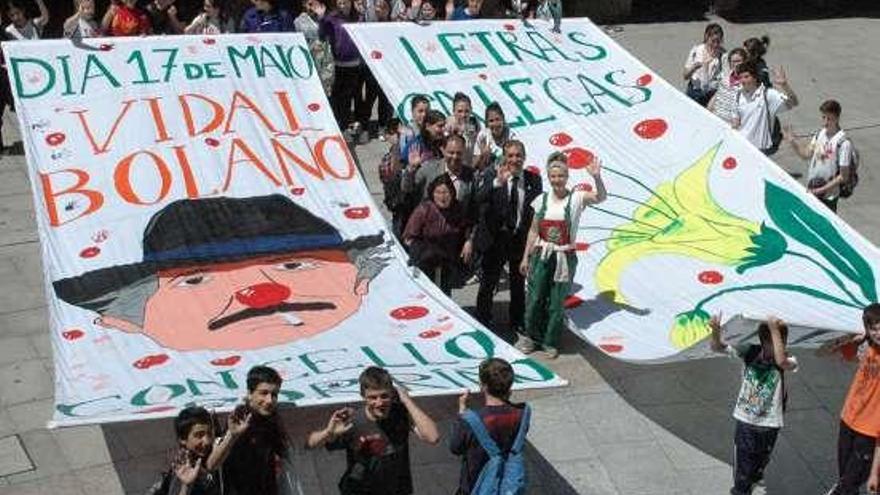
<point x="689" y="328"/>
<point x="682" y="218"/>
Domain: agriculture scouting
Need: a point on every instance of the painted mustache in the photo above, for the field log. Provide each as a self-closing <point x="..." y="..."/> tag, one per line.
<point x="280" y="308"/>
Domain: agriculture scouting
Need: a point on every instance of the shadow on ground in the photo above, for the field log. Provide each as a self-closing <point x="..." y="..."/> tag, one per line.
<point x="751" y="11"/>
<point x="693" y="401"/>
<point x="141" y="450"/>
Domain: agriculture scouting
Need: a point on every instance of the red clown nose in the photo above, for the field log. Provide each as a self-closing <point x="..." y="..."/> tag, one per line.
<point x="263" y="295"/>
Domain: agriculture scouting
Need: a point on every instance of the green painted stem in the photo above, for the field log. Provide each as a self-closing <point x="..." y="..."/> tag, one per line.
<point x="642" y="185"/>
<point x="830" y="274"/>
<point x="789" y="287"/>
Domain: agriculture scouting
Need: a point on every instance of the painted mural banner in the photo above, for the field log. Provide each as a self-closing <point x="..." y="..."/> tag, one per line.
<point x="697" y="222"/>
<point x="199" y="213"/>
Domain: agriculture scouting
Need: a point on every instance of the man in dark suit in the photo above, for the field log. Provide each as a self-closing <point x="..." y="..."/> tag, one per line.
<point x="505" y="216"/>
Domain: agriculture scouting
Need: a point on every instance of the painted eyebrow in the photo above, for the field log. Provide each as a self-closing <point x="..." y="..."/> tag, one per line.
<point x="187" y="273"/>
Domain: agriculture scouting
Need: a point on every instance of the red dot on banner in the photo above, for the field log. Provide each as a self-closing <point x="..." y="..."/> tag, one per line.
<point x="560" y="139"/>
<point x="227" y="361"/>
<point x="581" y="246"/>
<point x="209" y="41"/>
<point x="314" y="107"/>
<point x="376" y="55"/>
<point x="429" y="334"/>
<point x="74" y="334"/>
<point x="212" y="142"/>
<point x="710" y="277"/>
<point x="357" y="212"/>
<point x="90" y="252"/>
<point x="55" y="138"/>
<point x="150" y="361"/>
<point x="510" y="27"/>
<point x="578" y="157"/>
<point x="297" y="191"/>
<point x="611" y="348"/>
<point x="651" y="128"/>
<point x="644" y="80"/>
<point x="409" y="312"/>
<point x="483" y="76"/>
<point x="729" y="163"/>
<point x="584" y="186"/>
<point x="106" y="47"/>
<point x="533" y="169"/>
<point x="572" y="302"/>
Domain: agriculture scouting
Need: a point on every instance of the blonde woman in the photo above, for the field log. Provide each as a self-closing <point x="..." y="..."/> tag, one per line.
<point x="549" y="260"/>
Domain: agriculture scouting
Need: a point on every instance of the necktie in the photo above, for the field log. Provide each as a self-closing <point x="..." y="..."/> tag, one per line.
<point x="514" y="203"/>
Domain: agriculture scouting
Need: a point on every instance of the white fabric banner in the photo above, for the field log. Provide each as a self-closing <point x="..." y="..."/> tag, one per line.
<point x="200" y="214"/>
<point x="698" y="221"/>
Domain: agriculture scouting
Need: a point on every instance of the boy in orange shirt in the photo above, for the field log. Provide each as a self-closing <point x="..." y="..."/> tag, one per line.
<point x="858" y="443"/>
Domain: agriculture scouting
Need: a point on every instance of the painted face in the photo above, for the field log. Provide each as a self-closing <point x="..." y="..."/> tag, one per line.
<point x="199" y="440"/>
<point x="558" y="178"/>
<point x="419" y="113"/>
<point x="495" y="123"/>
<point x="264" y="399"/>
<point x="378" y="402"/>
<point x="442" y="196"/>
<point x="461" y="110"/>
<point x="514" y="157"/>
<point x="250" y="304"/>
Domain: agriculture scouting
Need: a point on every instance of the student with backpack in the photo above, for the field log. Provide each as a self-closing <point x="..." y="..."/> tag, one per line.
<point x="832" y="173"/>
<point x="761" y="400"/>
<point x="491" y="440"/>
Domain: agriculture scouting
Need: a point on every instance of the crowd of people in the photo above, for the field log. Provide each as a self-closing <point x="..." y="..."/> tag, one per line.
<point x="464" y="207"/>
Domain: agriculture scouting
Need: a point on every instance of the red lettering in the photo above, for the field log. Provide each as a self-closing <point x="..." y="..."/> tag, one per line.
<point x="239" y="100"/>
<point x="215" y="122"/>
<point x="126" y="105"/>
<point x="250" y="157"/>
<point x="96" y="199"/>
<point x="292" y="122"/>
<point x="158" y="120"/>
<point x="281" y="152"/>
<point x="325" y="164"/>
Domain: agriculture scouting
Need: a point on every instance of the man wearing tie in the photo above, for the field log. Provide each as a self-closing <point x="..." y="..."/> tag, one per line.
<point x="505" y="216"/>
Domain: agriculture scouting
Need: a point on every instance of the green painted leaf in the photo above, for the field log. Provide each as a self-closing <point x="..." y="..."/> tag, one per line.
<point x="799" y="221"/>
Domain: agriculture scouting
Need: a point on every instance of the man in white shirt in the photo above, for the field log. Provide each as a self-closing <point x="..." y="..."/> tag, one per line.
<point x="757" y="106"/>
<point x="830" y="155"/>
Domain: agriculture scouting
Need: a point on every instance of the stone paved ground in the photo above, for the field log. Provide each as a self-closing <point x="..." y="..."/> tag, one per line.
<point x="617" y="429"/>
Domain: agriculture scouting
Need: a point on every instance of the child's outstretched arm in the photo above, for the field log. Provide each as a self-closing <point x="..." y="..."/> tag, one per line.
<point x="716" y="342"/>
<point x="837" y="345"/>
<point x="41" y="21"/>
<point x="779" y="356"/>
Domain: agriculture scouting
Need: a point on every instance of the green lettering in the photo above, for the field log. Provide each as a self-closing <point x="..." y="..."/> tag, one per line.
<point x="337" y="387"/>
<point x="452" y="51"/>
<point x="211" y="70"/>
<point x="483" y="36"/>
<point x="65" y="69"/>
<point x="250" y="54"/>
<point x="103" y="72"/>
<point x="509" y="39"/>
<point x="310" y="63"/>
<point x="549" y="92"/>
<point x="419" y="64"/>
<point x="599" y="54"/>
<point x="138" y="58"/>
<point x="415" y="380"/>
<point x="312" y="364"/>
<point x="644" y="91"/>
<point x="420" y="358"/>
<point x="521" y="101"/>
<point x="173" y="390"/>
<point x="545" y="45"/>
<point x="70" y="409"/>
<point x="193" y="71"/>
<point x="587" y="83"/>
<point x="454" y="346"/>
<point x="265" y="54"/>
<point x="441" y="97"/>
<point x="19" y="86"/>
<point x="543" y="374"/>
<point x="378" y="361"/>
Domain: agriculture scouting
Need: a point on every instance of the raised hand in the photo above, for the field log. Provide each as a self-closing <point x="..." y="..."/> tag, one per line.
<point x="594" y="168"/>
<point x="779" y="77"/>
<point x="236" y="425"/>
<point x="340" y="421"/>
<point x="188" y="473"/>
<point x="715" y="322"/>
<point x="462" y="401"/>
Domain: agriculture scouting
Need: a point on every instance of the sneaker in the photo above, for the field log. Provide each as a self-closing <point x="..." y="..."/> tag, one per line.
<point x="550" y="352"/>
<point x="524" y="344"/>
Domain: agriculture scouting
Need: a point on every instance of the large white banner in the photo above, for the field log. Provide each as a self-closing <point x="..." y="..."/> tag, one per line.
<point x="199" y="213"/>
<point x="697" y="221"/>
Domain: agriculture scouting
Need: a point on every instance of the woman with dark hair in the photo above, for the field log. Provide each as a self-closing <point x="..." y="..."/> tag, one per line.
<point x="702" y="69"/>
<point x="491" y="139"/>
<point x="22" y="27"/>
<point x="435" y="235"/>
<point x="756" y="49"/>
<point x="216" y="18"/>
<point x="427" y="145"/>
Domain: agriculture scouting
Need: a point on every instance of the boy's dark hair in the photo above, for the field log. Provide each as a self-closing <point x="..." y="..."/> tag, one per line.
<point x="496" y="375"/>
<point x="494" y="107"/>
<point x="375" y="378"/>
<point x="262" y="374"/>
<point x="15" y="4"/>
<point x="830" y="106"/>
<point x="392" y="126"/>
<point x="748" y="67"/>
<point x="189" y="417"/>
<point x="419" y="99"/>
<point x="757" y="47"/>
<point x="764" y="334"/>
<point x="713" y="29"/>
<point x="738" y="51"/>
<point x="871" y="314"/>
<point x="460" y="97"/>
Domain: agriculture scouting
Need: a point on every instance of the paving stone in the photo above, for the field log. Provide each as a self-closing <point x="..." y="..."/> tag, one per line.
<point x="83" y="446"/>
<point x="63" y="484"/>
<point x="13" y="457"/>
<point x="714" y="480"/>
<point x="28" y="321"/>
<point x="585" y="477"/>
<point x="32" y="415"/>
<point x="638" y="468"/>
<point x="24" y="381"/>
<point x="45" y="453"/>
<point x="16" y="349"/>
<point x="17" y="218"/>
<point x="608" y="419"/>
<point x="99" y="480"/>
